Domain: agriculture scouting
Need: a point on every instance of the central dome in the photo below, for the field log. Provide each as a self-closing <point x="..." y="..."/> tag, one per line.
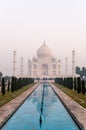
<point x="44" y="51"/>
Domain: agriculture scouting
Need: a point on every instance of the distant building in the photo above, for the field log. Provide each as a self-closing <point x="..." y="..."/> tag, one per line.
<point x="44" y="65"/>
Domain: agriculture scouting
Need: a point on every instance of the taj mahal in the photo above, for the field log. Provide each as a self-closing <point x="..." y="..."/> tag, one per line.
<point x="45" y="65"/>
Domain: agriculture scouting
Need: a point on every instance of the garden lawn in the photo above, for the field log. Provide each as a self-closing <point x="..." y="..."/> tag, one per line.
<point x="79" y="98"/>
<point x="11" y="95"/>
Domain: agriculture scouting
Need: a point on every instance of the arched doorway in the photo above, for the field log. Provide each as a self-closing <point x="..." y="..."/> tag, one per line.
<point x="44" y="69"/>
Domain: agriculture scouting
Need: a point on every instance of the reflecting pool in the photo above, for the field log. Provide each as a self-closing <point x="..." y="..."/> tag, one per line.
<point x="42" y="110"/>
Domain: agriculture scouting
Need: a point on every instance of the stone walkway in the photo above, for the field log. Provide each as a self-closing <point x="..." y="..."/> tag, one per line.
<point x="8" y="109"/>
<point x="78" y="112"/>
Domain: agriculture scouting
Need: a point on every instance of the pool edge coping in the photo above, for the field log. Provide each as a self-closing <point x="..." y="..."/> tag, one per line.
<point x="79" y="122"/>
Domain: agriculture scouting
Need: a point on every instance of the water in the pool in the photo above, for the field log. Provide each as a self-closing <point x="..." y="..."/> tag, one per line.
<point x="42" y="110"/>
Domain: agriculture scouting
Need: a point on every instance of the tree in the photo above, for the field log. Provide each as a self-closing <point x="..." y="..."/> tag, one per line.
<point x="71" y="83"/>
<point x="16" y="83"/>
<point x="75" y="84"/>
<point x="1" y="76"/>
<point x="83" y="87"/>
<point x="78" y="84"/>
<point x="3" y="86"/>
<point x="65" y="82"/>
<point x="19" y="83"/>
<point x="83" y="68"/>
<point x="8" y="88"/>
<point x="13" y="84"/>
<point x="78" y="70"/>
<point x="81" y="72"/>
<point x="6" y="78"/>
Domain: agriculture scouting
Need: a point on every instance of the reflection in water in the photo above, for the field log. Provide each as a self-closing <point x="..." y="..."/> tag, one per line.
<point x="40" y="121"/>
<point x="42" y="105"/>
<point x="43" y="97"/>
<point x="41" y="111"/>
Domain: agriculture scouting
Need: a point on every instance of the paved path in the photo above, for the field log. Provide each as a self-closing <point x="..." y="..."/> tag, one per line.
<point x="77" y="110"/>
<point x="8" y="109"/>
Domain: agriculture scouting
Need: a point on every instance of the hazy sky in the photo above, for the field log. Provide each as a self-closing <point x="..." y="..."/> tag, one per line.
<point x="24" y="24"/>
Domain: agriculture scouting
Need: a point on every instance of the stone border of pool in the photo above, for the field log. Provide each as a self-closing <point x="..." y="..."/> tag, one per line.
<point x="77" y="111"/>
<point x="10" y="108"/>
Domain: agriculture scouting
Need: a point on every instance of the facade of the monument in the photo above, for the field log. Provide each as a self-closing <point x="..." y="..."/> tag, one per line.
<point x="44" y="65"/>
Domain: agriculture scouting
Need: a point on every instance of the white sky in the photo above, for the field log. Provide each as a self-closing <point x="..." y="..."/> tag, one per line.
<point x="24" y="24"/>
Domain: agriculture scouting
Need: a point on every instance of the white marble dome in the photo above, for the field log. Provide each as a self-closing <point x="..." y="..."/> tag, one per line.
<point x="44" y="51"/>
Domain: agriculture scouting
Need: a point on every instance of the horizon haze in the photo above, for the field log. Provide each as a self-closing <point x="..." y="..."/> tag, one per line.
<point x="25" y="24"/>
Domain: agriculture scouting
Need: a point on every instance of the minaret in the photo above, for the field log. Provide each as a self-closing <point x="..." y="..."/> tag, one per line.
<point x="59" y="68"/>
<point x="29" y="68"/>
<point x="44" y="42"/>
<point x="73" y="63"/>
<point x="66" y="66"/>
<point x="22" y="71"/>
<point x="14" y="63"/>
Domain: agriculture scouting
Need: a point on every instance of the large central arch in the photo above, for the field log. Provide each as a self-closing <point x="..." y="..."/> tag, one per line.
<point x="44" y="69"/>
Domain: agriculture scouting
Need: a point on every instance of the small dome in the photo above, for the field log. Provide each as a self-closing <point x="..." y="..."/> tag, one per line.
<point x="44" y="51"/>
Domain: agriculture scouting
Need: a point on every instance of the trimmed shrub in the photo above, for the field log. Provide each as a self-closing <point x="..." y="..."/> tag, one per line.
<point x="8" y="88"/>
<point x="83" y="87"/>
<point x="3" y="87"/>
<point x="78" y="84"/>
<point x="75" y="84"/>
<point x="13" y="84"/>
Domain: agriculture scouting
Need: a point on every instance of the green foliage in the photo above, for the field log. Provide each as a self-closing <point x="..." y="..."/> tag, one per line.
<point x="13" y="84"/>
<point x="81" y="72"/>
<point x="19" y="83"/>
<point x="80" y="98"/>
<point x="8" y="88"/>
<point x="65" y="82"/>
<point x="16" y="83"/>
<point x="59" y="81"/>
<point x="75" y="84"/>
<point x="3" y="86"/>
<point x="1" y="76"/>
<point x="71" y="83"/>
<point x="78" y="70"/>
<point x="9" y="95"/>
<point x="7" y="78"/>
<point x="78" y="84"/>
<point x="83" y="87"/>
